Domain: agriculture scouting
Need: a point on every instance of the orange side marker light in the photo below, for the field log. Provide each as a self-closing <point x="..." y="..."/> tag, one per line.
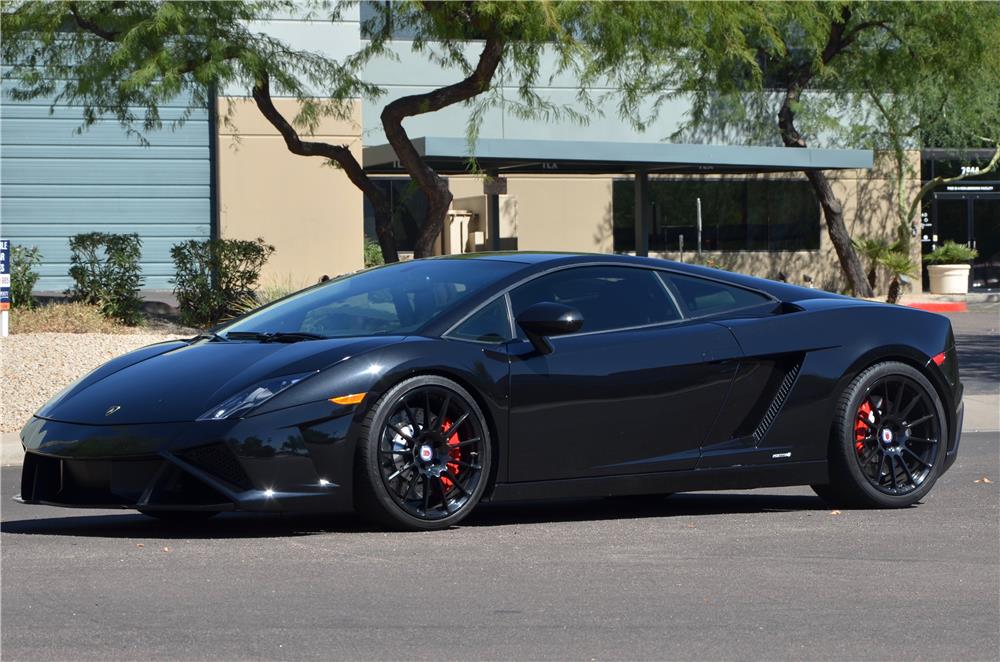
<point x="352" y="399"/>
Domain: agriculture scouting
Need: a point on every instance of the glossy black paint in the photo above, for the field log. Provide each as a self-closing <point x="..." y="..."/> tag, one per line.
<point x="685" y="405"/>
<point x="546" y="319"/>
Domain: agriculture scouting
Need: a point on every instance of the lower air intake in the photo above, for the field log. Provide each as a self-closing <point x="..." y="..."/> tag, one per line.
<point x="219" y="461"/>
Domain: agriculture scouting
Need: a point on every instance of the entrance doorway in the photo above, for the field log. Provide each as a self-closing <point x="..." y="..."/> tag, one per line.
<point x="970" y="214"/>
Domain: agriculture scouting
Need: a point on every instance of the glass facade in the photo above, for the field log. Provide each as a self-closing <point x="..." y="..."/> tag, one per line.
<point x="737" y="215"/>
<point x="409" y="206"/>
<point x="966" y="211"/>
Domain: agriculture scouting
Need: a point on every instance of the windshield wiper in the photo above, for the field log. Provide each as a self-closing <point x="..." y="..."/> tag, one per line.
<point x="277" y="336"/>
<point x="209" y="335"/>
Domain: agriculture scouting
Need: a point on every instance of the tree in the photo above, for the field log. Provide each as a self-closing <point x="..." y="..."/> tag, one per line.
<point x="121" y="56"/>
<point x="125" y="58"/>
<point x="832" y="60"/>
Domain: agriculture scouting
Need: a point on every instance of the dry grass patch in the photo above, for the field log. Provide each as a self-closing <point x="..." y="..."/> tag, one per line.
<point x="83" y="318"/>
<point x="64" y="318"/>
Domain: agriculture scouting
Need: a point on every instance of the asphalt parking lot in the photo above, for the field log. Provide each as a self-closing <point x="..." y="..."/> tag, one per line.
<point x="771" y="574"/>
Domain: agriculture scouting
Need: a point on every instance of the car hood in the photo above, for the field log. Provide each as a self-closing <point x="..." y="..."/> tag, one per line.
<point x="176" y="382"/>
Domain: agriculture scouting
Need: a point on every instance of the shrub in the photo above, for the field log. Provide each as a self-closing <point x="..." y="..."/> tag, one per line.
<point x="106" y="273"/>
<point x="951" y="253"/>
<point x="373" y="253"/>
<point x="213" y="277"/>
<point x="23" y="276"/>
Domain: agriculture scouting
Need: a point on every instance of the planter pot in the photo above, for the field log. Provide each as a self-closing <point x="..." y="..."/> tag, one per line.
<point x="949" y="278"/>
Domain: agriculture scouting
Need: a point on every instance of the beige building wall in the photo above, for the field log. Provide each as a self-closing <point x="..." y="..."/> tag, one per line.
<point x="575" y="214"/>
<point x="559" y="213"/>
<point x="309" y="210"/>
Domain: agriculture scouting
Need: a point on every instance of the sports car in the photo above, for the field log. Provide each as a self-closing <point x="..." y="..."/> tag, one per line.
<point x="415" y="391"/>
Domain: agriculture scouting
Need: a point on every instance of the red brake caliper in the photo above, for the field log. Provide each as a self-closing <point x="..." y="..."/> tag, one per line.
<point x="861" y="426"/>
<point x="455" y="453"/>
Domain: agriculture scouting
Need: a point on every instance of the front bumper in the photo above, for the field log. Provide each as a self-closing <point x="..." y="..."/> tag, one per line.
<point x="296" y="459"/>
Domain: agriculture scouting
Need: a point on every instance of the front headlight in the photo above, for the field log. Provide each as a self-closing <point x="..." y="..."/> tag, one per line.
<point x="252" y="397"/>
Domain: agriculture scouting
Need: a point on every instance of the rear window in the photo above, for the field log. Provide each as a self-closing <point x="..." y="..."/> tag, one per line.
<point x="707" y="297"/>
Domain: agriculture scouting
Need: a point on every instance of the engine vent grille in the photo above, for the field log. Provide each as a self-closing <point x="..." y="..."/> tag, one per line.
<point x="779" y="399"/>
<point x="219" y="461"/>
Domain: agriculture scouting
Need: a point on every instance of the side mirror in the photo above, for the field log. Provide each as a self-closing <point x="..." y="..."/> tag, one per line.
<point x="548" y="319"/>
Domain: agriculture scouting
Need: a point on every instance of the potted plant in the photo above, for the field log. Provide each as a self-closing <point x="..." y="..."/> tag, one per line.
<point x="948" y="268"/>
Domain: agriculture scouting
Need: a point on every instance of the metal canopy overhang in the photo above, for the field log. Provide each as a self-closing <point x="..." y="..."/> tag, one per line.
<point x="450" y="156"/>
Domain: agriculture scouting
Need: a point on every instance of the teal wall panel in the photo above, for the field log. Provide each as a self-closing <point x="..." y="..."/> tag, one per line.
<point x="56" y="181"/>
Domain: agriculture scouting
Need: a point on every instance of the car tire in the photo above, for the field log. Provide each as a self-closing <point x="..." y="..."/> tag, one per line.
<point x="888" y="439"/>
<point x="424" y="456"/>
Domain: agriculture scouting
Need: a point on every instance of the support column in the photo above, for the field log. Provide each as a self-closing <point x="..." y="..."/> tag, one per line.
<point x="493" y="212"/>
<point x="642" y="212"/>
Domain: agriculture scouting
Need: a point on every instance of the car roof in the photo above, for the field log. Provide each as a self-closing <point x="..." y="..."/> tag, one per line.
<point x="536" y="261"/>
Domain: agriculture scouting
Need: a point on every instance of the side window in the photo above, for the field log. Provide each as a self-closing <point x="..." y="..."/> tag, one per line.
<point x="490" y="324"/>
<point x="607" y="297"/>
<point x="708" y="297"/>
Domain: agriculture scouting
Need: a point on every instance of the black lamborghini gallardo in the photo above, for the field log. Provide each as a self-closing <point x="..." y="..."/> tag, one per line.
<point x="414" y="391"/>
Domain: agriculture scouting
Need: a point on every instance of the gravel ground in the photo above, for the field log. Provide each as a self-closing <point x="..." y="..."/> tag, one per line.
<point x="36" y="366"/>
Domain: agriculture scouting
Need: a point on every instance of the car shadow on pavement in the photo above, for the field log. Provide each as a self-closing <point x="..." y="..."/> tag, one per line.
<point x="694" y="504"/>
<point x="247" y="525"/>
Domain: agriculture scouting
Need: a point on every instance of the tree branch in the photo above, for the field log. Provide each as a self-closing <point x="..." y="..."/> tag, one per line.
<point x="417" y="104"/>
<point x="91" y="26"/>
<point x="939" y="180"/>
<point x="339" y="154"/>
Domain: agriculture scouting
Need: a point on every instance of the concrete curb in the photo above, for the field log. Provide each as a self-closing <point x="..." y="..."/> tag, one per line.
<point x="11" y="452"/>
<point x="982" y="414"/>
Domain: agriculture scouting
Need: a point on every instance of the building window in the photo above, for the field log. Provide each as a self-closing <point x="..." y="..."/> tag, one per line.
<point x="737" y="215"/>
<point x="409" y="206"/>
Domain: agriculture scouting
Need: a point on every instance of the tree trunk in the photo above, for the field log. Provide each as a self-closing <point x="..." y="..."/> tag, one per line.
<point x="383" y="229"/>
<point x="432" y="184"/>
<point x="339" y="154"/>
<point x="833" y="211"/>
<point x="894" y="289"/>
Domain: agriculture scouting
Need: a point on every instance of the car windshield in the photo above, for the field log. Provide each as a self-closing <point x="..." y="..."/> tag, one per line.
<point x="392" y="300"/>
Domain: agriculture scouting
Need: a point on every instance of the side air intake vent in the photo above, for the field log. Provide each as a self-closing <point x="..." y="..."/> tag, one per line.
<point x="779" y="399"/>
<point x="219" y="461"/>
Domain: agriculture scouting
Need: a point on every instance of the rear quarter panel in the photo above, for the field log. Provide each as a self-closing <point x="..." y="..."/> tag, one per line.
<point x="838" y="338"/>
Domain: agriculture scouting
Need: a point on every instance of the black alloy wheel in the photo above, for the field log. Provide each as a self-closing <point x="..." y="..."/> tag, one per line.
<point x="888" y="441"/>
<point x="424" y="455"/>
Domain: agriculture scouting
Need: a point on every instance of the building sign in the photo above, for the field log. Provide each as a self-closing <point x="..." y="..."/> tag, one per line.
<point x="4" y="274"/>
<point x="972" y="188"/>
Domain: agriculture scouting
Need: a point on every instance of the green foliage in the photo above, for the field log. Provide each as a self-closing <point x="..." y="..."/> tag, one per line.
<point x="900" y="73"/>
<point x="23" y="276"/>
<point x="116" y="57"/>
<point x="213" y="278"/>
<point x="899" y="264"/>
<point x="951" y="253"/>
<point x="373" y="253"/>
<point x="106" y="273"/>
<point x="873" y="250"/>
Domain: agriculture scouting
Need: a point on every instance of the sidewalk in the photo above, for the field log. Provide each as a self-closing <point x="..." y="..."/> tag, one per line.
<point x="982" y="414"/>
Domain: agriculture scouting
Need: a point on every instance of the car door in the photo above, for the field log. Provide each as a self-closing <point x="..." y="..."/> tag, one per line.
<point x="634" y="391"/>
